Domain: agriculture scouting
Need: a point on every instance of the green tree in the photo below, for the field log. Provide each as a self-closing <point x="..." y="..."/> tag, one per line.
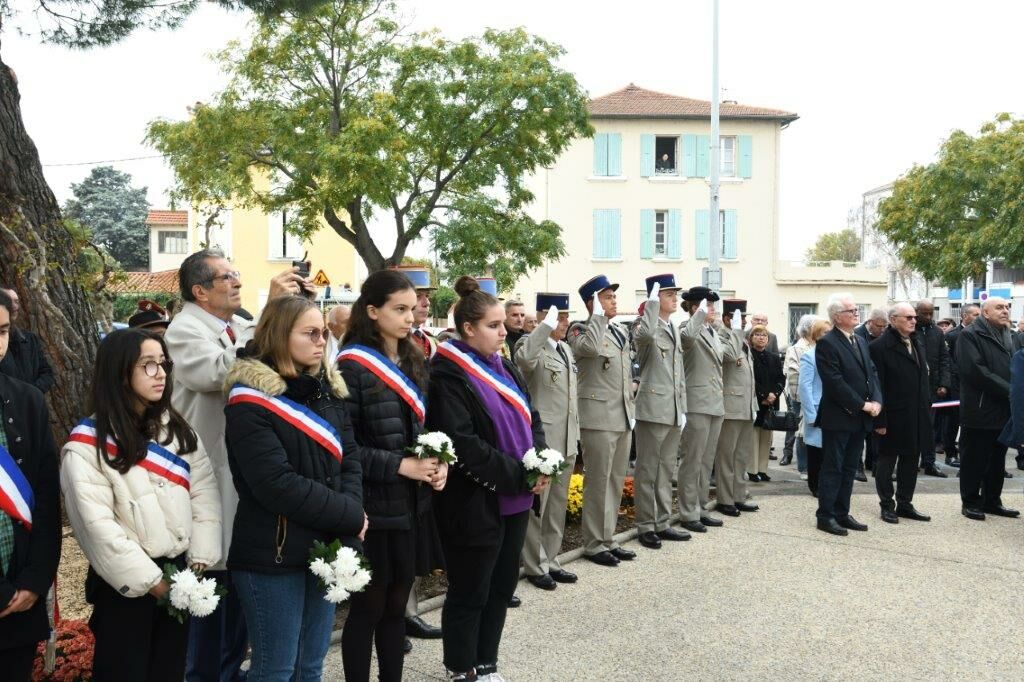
<point x="349" y="118"/>
<point x="842" y="245"/>
<point x="949" y="218"/>
<point x="114" y="213"/>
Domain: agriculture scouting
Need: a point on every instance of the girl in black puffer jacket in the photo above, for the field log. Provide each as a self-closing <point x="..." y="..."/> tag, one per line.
<point x="386" y="379"/>
<point x="286" y="422"/>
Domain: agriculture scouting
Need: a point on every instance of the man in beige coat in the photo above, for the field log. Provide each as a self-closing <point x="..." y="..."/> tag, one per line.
<point x="202" y="340"/>
<point x="660" y="412"/>
<point x="547" y="363"/>
<point x="607" y="418"/>
<point x="736" y="439"/>
<point x="702" y="358"/>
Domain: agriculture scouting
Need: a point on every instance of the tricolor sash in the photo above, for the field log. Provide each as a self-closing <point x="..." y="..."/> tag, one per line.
<point x="506" y="388"/>
<point x="388" y="372"/>
<point x="945" y="403"/>
<point x="16" y="496"/>
<point x="301" y="417"/>
<point x="158" y="460"/>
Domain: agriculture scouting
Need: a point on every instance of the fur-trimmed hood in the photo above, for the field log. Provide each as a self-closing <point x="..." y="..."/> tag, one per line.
<point x="261" y="376"/>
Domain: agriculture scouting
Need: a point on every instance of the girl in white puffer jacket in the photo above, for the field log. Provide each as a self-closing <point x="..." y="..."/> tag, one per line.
<point x="140" y="493"/>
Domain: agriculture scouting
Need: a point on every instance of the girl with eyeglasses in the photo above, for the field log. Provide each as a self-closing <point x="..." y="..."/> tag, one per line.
<point x="296" y="467"/>
<point x="386" y="377"/>
<point x="140" y="493"/>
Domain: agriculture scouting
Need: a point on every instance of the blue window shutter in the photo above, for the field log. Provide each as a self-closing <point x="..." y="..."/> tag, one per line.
<point x="690" y="156"/>
<point x="647" y="233"/>
<point x="614" y="154"/>
<point x="729" y="241"/>
<point x="614" y="233"/>
<point x="745" y="143"/>
<point x="601" y="154"/>
<point x="703" y="234"/>
<point x="703" y="152"/>
<point x="674" y="234"/>
<point x="599" y="232"/>
<point x="646" y="156"/>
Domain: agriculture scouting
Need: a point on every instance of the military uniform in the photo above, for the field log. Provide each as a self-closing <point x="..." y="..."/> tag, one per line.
<point x="550" y="373"/>
<point x="703" y="363"/>
<point x="736" y="440"/>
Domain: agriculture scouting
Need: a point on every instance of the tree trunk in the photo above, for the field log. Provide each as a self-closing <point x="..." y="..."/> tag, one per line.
<point x="38" y="258"/>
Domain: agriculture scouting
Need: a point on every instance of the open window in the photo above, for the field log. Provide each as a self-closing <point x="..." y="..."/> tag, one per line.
<point x="666" y="155"/>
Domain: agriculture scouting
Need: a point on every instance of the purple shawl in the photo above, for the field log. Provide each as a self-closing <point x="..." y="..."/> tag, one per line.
<point x="513" y="435"/>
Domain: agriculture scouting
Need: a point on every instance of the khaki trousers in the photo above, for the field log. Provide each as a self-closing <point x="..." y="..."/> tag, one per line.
<point x="544" y="532"/>
<point x="758" y="462"/>
<point x="656" y="449"/>
<point x="697" y="455"/>
<point x="605" y="459"/>
<point x="735" y="443"/>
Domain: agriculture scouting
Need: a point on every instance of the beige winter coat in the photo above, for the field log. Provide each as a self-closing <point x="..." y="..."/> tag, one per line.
<point x="124" y="521"/>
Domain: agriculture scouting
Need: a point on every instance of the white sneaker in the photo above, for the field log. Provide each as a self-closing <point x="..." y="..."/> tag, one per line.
<point x="803" y="477"/>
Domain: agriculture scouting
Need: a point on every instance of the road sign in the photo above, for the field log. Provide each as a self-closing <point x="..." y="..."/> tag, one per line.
<point x="321" y="279"/>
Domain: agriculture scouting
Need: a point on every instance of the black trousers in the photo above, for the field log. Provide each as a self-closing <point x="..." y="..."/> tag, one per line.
<point x="927" y="447"/>
<point x="136" y="639"/>
<point x="870" y="451"/>
<point x="813" y="467"/>
<point x="840" y="456"/>
<point x="16" y="662"/>
<point x="481" y="581"/>
<point x="906" y="480"/>
<point x="982" y="460"/>
<point x="950" y="429"/>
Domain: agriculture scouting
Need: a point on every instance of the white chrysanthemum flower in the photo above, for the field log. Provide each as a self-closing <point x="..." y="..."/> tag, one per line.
<point x="321" y="569"/>
<point x="357" y="581"/>
<point x="204" y="606"/>
<point x="336" y="594"/>
<point x="530" y="459"/>
<point x="346" y="563"/>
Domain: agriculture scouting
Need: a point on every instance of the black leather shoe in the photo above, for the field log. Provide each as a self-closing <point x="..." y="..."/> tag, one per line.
<point x="851" y="523"/>
<point x="604" y="558"/>
<point x="753" y="478"/>
<point x="932" y="470"/>
<point x="673" y="535"/>
<point x="763" y="477"/>
<point x="623" y="554"/>
<point x="1020" y="463"/>
<point x="861" y="476"/>
<point x="650" y="540"/>
<point x="972" y="513"/>
<point x="889" y="516"/>
<point x="542" y="581"/>
<point x="1007" y="474"/>
<point x="953" y="462"/>
<point x="561" y="576"/>
<point x="421" y="629"/>
<point x="747" y="506"/>
<point x="407" y="646"/>
<point x="786" y="460"/>
<point x="695" y="526"/>
<point x="727" y="509"/>
<point x="912" y="514"/>
<point x="711" y="521"/>
<point x="515" y="602"/>
<point x="1002" y="511"/>
<point x="832" y="527"/>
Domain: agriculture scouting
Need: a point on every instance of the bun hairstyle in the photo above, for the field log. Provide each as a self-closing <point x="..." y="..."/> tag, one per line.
<point x="473" y="303"/>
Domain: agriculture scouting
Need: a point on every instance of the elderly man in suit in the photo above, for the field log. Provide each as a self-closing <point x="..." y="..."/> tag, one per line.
<point x="660" y="412"/>
<point x="933" y="341"/>
<point x="736" y="439"/>
<point x="607" y="417"/>
<point x="547" y="363"/>
<point x="903" y="424"/>
<point x="202" y="339"/>
<point x="850" y="400"/>
<point x="702" y="360"/>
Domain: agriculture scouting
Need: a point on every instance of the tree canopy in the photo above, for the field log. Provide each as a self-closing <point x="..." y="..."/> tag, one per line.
<point x="114" y="214"/>
<point x="350" y="118"/>
<point x="841" y="245"/>
<point x="949" y="218"/>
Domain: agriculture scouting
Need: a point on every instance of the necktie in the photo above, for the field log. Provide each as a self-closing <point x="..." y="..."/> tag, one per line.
<point x="231" y="334"/>
<point x="619" y="338"/>
<point x="561" y="352"/>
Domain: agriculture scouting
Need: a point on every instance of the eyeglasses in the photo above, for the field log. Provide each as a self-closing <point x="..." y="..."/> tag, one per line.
<point x="315" y="334"/>
<point x="909" y="317"/>
<point x="152" y="367"/>
<point x="855" y="311"/>
<point x="233" y="276"/>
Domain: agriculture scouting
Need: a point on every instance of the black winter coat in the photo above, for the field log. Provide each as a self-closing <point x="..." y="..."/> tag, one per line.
<point x="937" y="353"/>
<point x="768" y="378"/>
<point x="26" y="361"/>
<point x="848" y="380"/>
<point x="36" y="552"/>
<point x="291" y="490"/>
<point x="467" y="509"/>
<point x="906" y="395"/>
<point x="385" y="427"/>
<point x="954" y="369"/>
<point x="983" y="358"/>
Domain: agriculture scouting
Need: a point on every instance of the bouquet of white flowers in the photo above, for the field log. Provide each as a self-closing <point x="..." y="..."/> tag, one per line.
<point x="435" y="444"/>
<point x="341" y="570"/>
<point x="190" y="595"/>
<point x="547" y="462"/>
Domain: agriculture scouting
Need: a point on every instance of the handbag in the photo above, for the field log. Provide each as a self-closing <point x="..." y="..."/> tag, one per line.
<point x="777" y="420"/>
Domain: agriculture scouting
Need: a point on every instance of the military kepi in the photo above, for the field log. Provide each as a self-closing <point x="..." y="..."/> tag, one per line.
<point x="420" y="277"/>
<point x="560" y="301"/>
<point x="731" y="305"/>
<point x="667" y="282"/>
<point x="695" y="294"/>
<point x="150" y="314"/>
<point x="488" y="285"/>
<point x="594" y="285"/>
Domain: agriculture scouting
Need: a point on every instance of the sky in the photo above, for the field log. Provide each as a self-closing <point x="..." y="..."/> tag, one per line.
<point x="878" y="85"/>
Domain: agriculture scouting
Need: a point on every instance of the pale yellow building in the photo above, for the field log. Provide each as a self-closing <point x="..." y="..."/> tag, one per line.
<point x="633" y="202"/>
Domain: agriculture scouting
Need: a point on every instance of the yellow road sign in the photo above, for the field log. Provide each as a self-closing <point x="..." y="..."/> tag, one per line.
<point x="321" y="279"/>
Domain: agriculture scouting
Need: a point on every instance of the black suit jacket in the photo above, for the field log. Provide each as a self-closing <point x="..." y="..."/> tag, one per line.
<point x="906" y="393"/>
<point x="848" y="380"/>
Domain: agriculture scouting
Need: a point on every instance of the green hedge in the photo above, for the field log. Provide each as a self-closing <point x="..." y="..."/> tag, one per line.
<point x="126" y="305"/>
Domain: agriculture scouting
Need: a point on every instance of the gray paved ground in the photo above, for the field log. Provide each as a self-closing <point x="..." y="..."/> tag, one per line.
<point x="768" y="595"/>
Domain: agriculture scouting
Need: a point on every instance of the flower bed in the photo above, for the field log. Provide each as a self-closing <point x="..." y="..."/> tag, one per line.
<point x="73" y="661"/>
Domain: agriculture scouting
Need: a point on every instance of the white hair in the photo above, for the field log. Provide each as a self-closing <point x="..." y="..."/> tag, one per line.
<point x="803" y="327"/>
<point x="895" y="308"/>
<point x="880" y="314"/>
<point x="835" y="304"/>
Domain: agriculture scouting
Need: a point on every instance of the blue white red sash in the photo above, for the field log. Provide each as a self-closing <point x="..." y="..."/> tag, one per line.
<point x="506" y="388"/>
<point x="158" y="460"/>
<point x="388" y="372"/>
<point x="16" y="496"/>
<point x="301" y="417"/>
<point x="945" y="403"/>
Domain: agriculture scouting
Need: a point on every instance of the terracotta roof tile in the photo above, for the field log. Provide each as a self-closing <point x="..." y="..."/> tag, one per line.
<point x="633" y="101"/>
<point x="165" y="281"/>
<point x="167" y="218"/>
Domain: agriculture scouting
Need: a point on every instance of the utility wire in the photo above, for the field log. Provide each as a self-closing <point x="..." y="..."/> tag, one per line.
<point x="96" y="163"/>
